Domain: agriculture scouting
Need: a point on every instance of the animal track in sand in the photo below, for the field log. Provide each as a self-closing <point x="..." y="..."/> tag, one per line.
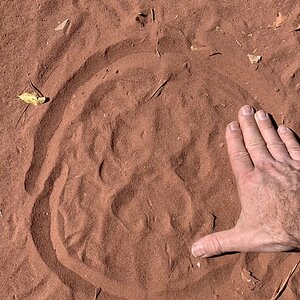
<point x="128" y="174"/>
<point x="115" y="134"/>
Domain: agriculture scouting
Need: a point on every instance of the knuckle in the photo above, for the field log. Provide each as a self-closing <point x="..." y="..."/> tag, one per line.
<point x="236" y="137"/>
<point x="267" y="165"/>
<point x="254" y="143"/>
<point x="290" y="138"/>
<point x="294" y="149"/>
<point x="275" y="144"/>
<point x="239" y="155"/>
<point x="215" y="244"/>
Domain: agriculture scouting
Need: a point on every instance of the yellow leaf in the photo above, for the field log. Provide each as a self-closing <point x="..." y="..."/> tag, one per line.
<point x="32" y="98"/>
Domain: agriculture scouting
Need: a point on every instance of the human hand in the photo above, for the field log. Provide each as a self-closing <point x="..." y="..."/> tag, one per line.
<point x="266" y="165"/>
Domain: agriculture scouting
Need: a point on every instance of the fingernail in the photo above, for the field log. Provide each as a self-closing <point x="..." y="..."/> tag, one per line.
<point x="234" y="126"/>
<point x="282" y="129"/>
<point x="247" y="110"/>
<point x="198" y="250"/>
<point x="262" y="116"/>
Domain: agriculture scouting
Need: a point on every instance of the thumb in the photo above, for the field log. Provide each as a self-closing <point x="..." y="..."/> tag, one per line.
<point x="217" y="243"/>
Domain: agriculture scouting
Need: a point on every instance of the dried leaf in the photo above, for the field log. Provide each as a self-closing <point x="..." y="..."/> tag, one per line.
<point x="62" y="25"/>
<point x="32" y="98"/>
<point x="254" y="59"/>
<point x="278" y="22"/>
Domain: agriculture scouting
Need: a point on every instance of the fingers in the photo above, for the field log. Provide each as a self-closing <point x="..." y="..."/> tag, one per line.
<point x="254" y="142"/>
<point x="274" y="143"/>
<point x="290" y="141"/>
<point x="217" y="243"/>
<point x="235" y="240"/>
<point x="239" y="157"/>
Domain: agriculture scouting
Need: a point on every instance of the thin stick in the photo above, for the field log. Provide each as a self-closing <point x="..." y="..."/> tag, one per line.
<point x="50" y="73"/>
<point x="160" y="87"/>
<point x="153" y="15"/>
<point x="35" y="89"/>
<point x="182" y="32"/>
<point x="157" y="42"/>
<point x="238" y="43"/>
<point x="156" y="49"/>
<point x="22" y="113"/>
<point x="282" y="118"/>
<point x="214" y="218"/>
<point x="285" y="283"/>
<point x="97" y="293"/>
<point x="150" y="204"/>
<point x="167" y="249"/>
<point x="106" y="72"/>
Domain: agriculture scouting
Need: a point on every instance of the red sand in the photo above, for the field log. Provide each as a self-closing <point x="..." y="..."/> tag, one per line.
<point x="105" y="187"/>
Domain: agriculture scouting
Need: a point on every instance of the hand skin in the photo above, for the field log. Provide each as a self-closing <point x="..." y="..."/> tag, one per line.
<point x="266" y="165"/>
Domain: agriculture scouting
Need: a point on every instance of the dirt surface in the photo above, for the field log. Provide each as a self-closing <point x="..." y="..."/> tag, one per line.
<point x="105" y="186"/>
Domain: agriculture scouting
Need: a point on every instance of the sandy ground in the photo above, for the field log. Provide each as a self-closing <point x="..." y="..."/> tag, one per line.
<point x="105" y="187"/>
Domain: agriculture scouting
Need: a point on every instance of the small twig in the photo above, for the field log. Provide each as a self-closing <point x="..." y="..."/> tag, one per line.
<point x="35" y="89"/>
<point x="106" y="72"/>
<point x="150" y="221"/>
<point x="238" y="43"/>
<point x="157" y="43"/>
<point x="190" y="227"/>
<point x="176" y="17"/>
<point x="213" y="222"/>
<point x="153" y="15"/>
<point x="97" y="293"/>
<point x="184" y="36"/>
<point x="215" y="52"/>
<point x="285" y="283"/>
<point x="191" y="265"/>
<point x="100" y="170"/>
<point x="160" y="87"/>
<point x="277" y="289"/>
<point x="22" y="113"/>
<point x="167" y="249"/>
<point x="282" y="118"/>
<point x="156" y="49"/>
<point x="187" y="67"/>
<point x="50" y="73"/>
<point x="220" y="29"/>
<point x="182" y="32"/>
<point x="150" y="204"/>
